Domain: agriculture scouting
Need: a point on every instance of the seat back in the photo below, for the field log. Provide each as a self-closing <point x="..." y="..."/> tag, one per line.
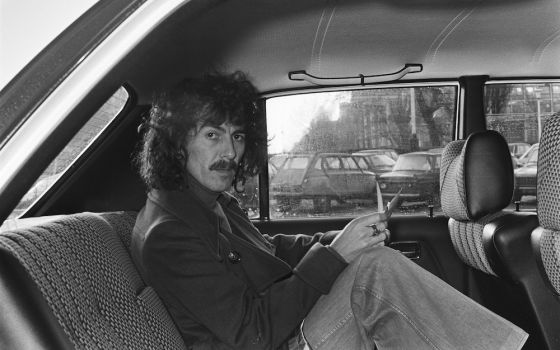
<point x="547" y="236"/>
<point x="87" y="289"/>
<point x="476" y="185"/>
<point x="476" y="182"/>
<point x="545" y="239"/>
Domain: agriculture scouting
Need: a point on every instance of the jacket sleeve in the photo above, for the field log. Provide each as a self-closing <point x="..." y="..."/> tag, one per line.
<point x="196" y="285"/>
<point x="292" y="248"/>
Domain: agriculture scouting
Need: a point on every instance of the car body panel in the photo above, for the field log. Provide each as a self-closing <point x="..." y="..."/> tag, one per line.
<point x="321" y="176"/>
<point x="526" y="177"/>
<point x="417" y="173"/>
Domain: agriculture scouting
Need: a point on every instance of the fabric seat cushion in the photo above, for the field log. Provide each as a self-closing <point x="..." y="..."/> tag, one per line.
<point x="86" y="275"/>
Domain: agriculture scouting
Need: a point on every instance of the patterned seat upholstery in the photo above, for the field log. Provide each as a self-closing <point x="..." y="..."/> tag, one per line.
<point x="82" y="268"/>
<point x="476" y="181"/>
<point x="476" y="185"/>
<point x="547" y="237"/>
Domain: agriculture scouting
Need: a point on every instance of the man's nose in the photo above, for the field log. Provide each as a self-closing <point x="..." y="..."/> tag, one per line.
<point x="228" y="150"/>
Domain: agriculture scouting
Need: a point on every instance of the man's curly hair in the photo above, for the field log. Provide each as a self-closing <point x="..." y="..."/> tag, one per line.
<point x="210" y="100"/>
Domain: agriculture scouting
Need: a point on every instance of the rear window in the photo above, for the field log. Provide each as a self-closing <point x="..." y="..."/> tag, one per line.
<point x="412" y="163"/>
<point x="519" y="111"/>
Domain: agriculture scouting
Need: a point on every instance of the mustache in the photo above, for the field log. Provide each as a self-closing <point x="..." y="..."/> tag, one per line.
<point x="224" y="164"/>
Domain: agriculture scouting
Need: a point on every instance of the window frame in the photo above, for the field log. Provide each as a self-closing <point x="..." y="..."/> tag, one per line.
<point x="85" y="154"/>
<point x="458" y="127"/>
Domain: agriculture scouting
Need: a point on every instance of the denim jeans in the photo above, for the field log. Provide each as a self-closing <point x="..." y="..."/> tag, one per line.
<point x="383" y="299"/>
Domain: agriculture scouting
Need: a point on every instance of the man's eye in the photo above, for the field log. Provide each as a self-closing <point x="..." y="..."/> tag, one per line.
<point x="239" y="137"/>
<point x="211" y="135"/>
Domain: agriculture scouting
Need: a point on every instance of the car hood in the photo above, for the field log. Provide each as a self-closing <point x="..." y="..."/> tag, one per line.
<point x="402" y="174"/>
<point x="529" y="170"/>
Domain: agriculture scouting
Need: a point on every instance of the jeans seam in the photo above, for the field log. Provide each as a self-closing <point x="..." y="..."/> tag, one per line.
<point x="339" y="325"/>
<point x="401" y="312"/>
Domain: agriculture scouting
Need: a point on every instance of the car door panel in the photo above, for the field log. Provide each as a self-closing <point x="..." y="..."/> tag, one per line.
<point x="425" y="240"/>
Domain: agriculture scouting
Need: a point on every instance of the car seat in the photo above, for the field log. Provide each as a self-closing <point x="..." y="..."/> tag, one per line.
<point x="71" y="284"/>
<point x="546" y="238"/>
<point x="476" y="182"/>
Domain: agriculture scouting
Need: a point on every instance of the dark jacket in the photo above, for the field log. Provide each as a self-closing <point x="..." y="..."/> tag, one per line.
<point x="221" y="290"/>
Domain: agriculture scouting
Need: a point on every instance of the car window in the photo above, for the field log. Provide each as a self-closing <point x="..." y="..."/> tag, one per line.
<point x="85" y="136"/>
<point x="332" y="163"/>
<point x="349" y="163"/>
<point x="381" y="160"/>
<point x="362" y="163"/>
<point x="519" y="110"/>
<point x="378" y="122"/>
<point x="534" y="157"/>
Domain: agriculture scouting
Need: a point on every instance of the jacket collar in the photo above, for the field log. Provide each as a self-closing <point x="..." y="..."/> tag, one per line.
<point x="185" y="206"/>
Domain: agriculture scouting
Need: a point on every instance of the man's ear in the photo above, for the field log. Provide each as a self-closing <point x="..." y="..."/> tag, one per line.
<point x="239" y="186"/>
<point x="181" y="153"/>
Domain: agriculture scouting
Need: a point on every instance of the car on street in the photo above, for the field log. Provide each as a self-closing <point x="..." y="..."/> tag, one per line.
<point x="322" y="178"/>
<point x="417" y="174"/>
<point x="526" y="177"/>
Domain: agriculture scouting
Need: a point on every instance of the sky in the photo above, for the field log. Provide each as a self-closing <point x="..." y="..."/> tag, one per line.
<point x="289" y="117"/>
<point x="26" y="26"/>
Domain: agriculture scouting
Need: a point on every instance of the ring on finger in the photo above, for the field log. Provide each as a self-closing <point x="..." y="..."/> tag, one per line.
<point x="376" y="231"/>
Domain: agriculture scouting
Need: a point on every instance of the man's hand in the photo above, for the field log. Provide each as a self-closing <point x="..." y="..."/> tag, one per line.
<point x="360" y="233"/>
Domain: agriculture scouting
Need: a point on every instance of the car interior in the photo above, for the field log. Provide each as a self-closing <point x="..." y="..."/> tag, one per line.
<point x="462" y="79"/>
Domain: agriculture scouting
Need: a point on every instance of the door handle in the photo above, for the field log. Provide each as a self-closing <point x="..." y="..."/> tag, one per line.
<point x="410" y="249"/>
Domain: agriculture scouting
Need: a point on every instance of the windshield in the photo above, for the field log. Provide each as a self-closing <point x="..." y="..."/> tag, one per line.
<point x="412" y="162"/>
<point x="534" y="157"/>
<point x="381" y="160"/>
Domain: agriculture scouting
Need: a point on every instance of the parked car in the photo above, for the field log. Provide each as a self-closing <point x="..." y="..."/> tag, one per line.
<point x="389" y="152"/>
<point x="518" y="148"/>
<point x="526" y="177"/>
<point x="527" y="155"/>
<point x="376" y="163"/>
<point x="322" y="178"/>
<point x="417" y="173"/>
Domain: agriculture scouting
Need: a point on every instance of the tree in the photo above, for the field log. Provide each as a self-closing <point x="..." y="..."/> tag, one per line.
<point x="496" y="98"/>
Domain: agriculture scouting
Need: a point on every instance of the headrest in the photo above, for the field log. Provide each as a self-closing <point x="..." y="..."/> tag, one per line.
<point x="548" y="175"/>
<point x="476" y="177"/>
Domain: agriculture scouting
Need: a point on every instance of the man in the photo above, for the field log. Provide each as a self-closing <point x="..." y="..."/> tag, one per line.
<point x="228" y="286"/>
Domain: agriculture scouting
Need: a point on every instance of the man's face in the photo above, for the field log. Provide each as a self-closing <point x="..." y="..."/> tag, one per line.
<point x="214" y="153"/>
